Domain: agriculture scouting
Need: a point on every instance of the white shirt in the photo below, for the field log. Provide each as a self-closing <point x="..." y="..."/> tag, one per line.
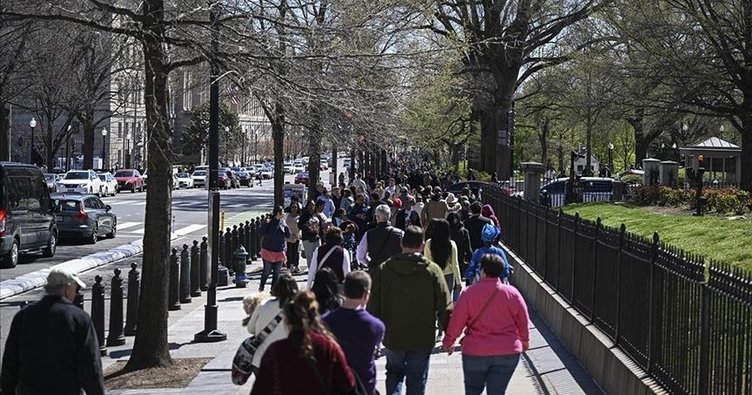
<point x="315" y="264"/>
<point x="261" y="317"/>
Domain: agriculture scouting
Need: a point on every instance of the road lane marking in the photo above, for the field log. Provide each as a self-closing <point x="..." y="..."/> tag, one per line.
<point x="189" y="229"/>
<point x="126" y="225"/>
<point x="124" y="202"/>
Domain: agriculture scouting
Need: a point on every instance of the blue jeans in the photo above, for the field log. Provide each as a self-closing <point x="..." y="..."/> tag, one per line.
<point x="450" y="284"/>
<point x="270" y="267"/>
<point x="413" y="364"/>
<point x="494" y="372"/>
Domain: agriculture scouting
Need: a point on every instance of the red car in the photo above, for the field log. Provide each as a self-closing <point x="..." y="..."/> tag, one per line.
<point x="129" y="179"/>
<point x="302" y="178"/>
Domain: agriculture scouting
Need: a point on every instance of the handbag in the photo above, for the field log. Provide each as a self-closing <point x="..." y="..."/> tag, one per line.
<point x="242" y="362"/>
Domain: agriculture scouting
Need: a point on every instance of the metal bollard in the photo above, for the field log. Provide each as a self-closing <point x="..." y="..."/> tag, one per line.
<point x="173" y="299"/>
<point x="252" y="241"/>
<point x="134" y="289"/>
<point x="241" y="236"/>
<point x="115" y="336"/>
<point x="185" y="275"/>
<point x="247" y="242"/>
<point x="235" y="238"/>
<point x="221" y="247"/>
<point x="97" y="312"/>
<point x="195" y="268"/>
<point x="204" y="264"/>
<point x="228" y="251"/>
<point x="259" y="222"/>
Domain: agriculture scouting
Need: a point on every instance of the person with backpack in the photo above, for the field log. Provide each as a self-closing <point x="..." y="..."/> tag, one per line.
<point x="381" y="242"/>
<point x="331" y="255"/>
<point x="310" y="224"/>
<point x="488" y="236"/>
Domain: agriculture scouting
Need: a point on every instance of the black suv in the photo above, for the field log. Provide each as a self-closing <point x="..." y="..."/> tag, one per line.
<point x="27" y="219"/>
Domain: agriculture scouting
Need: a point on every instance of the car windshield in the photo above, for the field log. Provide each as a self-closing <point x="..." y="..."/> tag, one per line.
<point x="199" y="173"/>
<point x="67" y="205"/>
<point x="302" y="175"/>
<point x="183" y="175"/>
<point x="103" y="177"/>
<point x="49" y="177"/>
<point x="124" y="173"/>
<point x="77" y="175"/>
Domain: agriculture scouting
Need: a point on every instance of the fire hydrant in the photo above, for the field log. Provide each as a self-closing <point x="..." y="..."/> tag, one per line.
<point x="239" y="259"/>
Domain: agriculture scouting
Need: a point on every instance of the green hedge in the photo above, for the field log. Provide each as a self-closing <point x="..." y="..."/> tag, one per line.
<point x="719" y="200"/>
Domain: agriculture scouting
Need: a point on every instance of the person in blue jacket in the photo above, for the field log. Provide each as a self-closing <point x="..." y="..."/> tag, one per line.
<point x="488" y="235"/>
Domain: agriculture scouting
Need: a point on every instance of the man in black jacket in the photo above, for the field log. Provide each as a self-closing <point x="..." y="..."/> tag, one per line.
<point x="52" y="347"/>
<point x="475" y="224"/>
<point x="381" y="242"/>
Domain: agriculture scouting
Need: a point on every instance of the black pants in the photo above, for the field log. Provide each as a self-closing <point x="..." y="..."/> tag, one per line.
<point x="293" y="255"/>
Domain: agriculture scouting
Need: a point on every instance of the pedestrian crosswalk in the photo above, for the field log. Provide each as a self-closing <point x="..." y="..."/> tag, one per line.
<point x="137" y="228"/>
<point x="191" y="204"/>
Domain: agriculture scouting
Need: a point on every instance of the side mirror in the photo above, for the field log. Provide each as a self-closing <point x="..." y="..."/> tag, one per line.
<point x="108" y="207"/>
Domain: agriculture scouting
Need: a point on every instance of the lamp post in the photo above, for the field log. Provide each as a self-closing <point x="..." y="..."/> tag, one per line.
<point x="255" y="144"/>
<point x="104" y="147"/>
<point x="33" y="124"/>
<point x="610" y="159"/>
<point x="699" y="199"/>
<point x="227" y="145"/>
<point x="67" y="148"/>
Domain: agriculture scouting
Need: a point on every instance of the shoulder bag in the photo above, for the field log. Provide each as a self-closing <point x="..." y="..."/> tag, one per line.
<point x="319" y="265"/>
<point x="242" y="362"/>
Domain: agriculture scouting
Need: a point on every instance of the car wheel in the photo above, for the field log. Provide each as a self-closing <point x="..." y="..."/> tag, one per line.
<point x="10" y="260"/>
<point x="49" y="251"/>
<point x="94" y="235"/>
<point x="112" y="234"/>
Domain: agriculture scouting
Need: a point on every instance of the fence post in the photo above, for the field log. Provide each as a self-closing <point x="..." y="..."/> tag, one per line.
<point x="235" y="238"/>
<point x="248" y="240"/>
<point x="574" y="254"/>
<point x="598" y="226"/>
<point x="204" y="264"/>
<point x="195" y="269"/>
<point x="654" y="332"/>
<point x="544" y="253"/>
<point x="228" y="251"/>
<point x="115" y="337"/>
<point x="185" y="275"/>
<point x="241" y="236"/>
<point x="173" y="295"/>
<point x="704" y="387"/>
<point x="97" y="312"/>
<point x="252" y="241"/>
<point x="622" y="232"/>
<point x="258" y="236"/>
<point x="131" y="316"/>
<point x="221" y="246"/>
<point x="558" y="249"/>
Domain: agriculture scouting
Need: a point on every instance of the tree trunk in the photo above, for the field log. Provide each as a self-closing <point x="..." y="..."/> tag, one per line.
<point x="314" y="159"/>
<point x="4" y="133"/>
<point x="543" y="139"/>
<point x="88" y="151"/>
<point x="278" y="139"/>
<point x="49" y="158"/>
<point x="150" y="348"/>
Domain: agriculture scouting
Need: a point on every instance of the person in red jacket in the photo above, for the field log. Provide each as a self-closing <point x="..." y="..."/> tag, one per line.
<point x="495" y="319"/>
<point x="310" y="351"/>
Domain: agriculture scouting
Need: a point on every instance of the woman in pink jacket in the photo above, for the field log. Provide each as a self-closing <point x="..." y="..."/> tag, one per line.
<point x="494" y="317"/>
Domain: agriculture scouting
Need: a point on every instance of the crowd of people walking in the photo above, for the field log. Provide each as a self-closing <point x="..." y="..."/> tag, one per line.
<point x="398" y="262"/>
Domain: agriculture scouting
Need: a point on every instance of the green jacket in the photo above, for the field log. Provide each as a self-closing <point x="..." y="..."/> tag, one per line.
<point x="407" y="294"/>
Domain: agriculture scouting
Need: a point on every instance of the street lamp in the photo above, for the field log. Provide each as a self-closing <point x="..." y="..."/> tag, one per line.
<point x="610" y="159"/>
<point x="33" y="124"/>
<point x="104" y="146"/>
<point x="227" y="145"/>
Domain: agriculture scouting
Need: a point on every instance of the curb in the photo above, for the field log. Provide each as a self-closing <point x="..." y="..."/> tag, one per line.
<point x="38" y="278"/>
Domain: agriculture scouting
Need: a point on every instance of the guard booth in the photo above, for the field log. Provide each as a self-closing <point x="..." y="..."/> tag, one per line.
<point x="297" y="190"/>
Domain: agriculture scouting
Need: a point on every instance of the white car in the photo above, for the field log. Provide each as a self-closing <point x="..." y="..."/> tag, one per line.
<point x="199" y="178"/>
<point x="267" y="173"/>
<point x="80" y="181"/>
<point x="184" y="180"/>
<point x="324" y="164"/>
<point x="288" y="167"/>
<point x="298" y="167"/>
<point x="109" y="184"/>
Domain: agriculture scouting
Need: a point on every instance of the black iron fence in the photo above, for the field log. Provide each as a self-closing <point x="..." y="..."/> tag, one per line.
<point x="686" y="322"/>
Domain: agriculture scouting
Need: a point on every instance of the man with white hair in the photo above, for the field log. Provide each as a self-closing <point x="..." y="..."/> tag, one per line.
<point x="381" y="242"/>
<point x="52" y="347"/>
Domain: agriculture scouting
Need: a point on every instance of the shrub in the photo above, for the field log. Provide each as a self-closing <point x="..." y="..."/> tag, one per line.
<point x="674" y="197"/>
<point x="633" y="179"/>
<point x="646" y="195"/>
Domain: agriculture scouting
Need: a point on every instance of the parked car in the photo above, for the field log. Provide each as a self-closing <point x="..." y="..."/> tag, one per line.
<point x="83" y="216"/>
<point x="50" y="179"/>
<point x="184" y="180"/>
<point x="323" y="164"/>
<point x="245" y="178"/>
<point x="234" y="179"/>
<point x="302" y="178"/>
<point x="109" y="183"/>
<point x="130" y="179"/>
<point x="267" y="173"/>
<point x="27" y="218"/>
<point x="199" y="178"/>
<point x="80" y="181"/>
<point x="593" y="189"/>
<point x="298" y="167"/>
<point x="288" y="167"/>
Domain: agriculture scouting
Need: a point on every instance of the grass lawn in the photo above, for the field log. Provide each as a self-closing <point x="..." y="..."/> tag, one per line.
<point x="712" y="236"/>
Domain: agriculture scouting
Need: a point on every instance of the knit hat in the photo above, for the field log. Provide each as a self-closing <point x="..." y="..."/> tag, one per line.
<point x="489" y="233"/>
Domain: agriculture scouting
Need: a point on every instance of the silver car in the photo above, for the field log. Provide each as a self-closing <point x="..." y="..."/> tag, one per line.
<point x="83" y="216"/>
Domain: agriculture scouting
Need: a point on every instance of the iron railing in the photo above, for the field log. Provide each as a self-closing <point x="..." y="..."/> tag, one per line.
<point x="686" y="322"/>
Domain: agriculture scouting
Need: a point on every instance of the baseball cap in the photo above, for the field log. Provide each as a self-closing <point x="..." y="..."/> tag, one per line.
<point x="63" y="276"/>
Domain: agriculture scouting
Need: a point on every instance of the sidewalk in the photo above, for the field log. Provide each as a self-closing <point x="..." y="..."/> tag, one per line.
<point x="547" y="368"/>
